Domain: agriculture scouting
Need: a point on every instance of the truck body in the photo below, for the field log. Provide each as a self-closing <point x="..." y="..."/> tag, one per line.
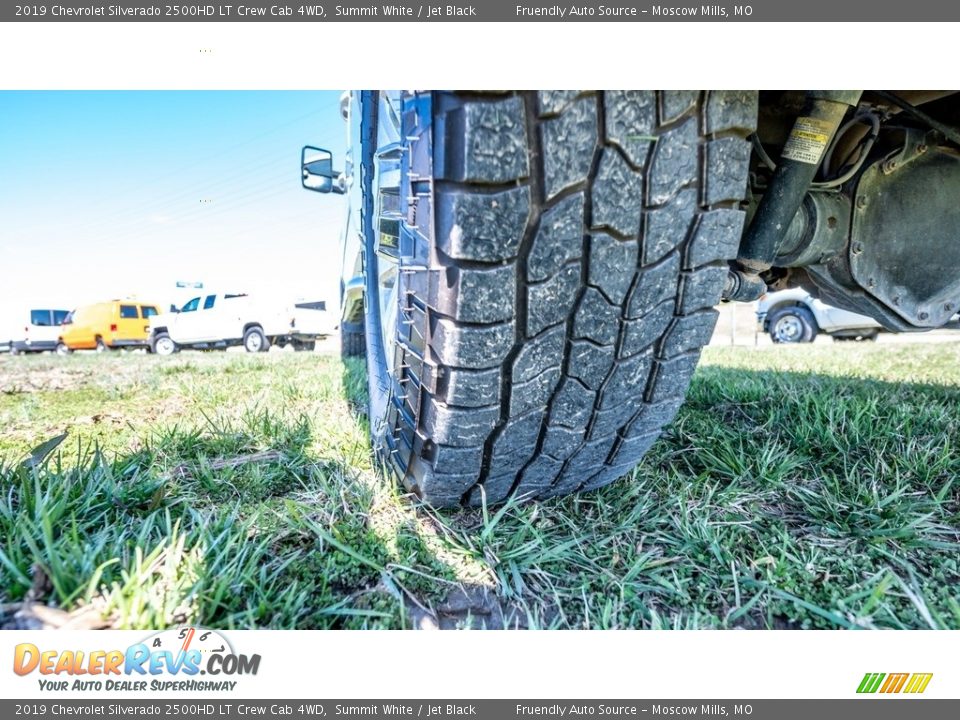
<point x="219" y="321"/>
<point x="794" y="315"/>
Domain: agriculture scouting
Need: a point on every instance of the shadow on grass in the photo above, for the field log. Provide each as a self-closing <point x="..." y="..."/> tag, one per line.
<point x="774" y="500"/>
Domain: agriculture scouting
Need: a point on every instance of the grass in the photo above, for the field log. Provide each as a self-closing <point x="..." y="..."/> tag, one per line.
<point x="801" y="487"/>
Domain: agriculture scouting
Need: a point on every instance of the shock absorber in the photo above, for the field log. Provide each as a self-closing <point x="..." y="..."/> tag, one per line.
<point x="812" y="133"/>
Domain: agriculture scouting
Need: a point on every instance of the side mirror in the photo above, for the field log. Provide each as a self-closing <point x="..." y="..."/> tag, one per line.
<point x="317" y="169"/>
<point x="174" y="308"/>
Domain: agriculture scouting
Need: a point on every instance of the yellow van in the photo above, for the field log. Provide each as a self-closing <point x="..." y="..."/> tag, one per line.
<point x="106" y="326"/>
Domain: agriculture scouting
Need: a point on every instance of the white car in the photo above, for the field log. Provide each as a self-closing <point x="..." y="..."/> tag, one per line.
<point x="218" y="321"/>
<point x="795" y="316"/>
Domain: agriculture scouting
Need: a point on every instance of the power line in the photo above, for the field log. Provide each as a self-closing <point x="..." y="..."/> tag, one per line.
<point x="276" y="128"/>
<point x="157" y="205"/>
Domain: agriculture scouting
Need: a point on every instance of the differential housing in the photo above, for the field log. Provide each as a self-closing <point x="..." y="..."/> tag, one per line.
<point x="888" y="247"/>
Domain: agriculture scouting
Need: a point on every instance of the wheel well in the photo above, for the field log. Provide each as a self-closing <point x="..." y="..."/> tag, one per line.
<point x="352" y="311"/>
<point x="786" y="304"/>
<point x="158" y="330"/>
<point x="250" y="326"/>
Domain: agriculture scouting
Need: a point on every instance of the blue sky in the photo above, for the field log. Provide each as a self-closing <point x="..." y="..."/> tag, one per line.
<point x="116" y="194"/>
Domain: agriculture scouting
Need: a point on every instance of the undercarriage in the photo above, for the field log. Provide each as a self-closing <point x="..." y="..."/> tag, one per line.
<point x="853" y="195"/>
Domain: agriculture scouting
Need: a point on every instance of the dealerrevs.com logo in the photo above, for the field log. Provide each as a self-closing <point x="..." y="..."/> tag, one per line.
<point x="888" y="683"/>
<point x="170" y="660"/>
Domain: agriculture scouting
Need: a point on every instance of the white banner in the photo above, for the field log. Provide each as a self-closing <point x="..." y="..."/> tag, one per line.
<point x="562" y="665"/>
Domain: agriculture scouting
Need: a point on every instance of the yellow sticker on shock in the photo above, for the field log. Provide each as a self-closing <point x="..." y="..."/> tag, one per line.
<point x="807" y="140"/>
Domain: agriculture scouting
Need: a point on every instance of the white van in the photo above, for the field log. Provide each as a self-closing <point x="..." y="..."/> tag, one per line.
<point x="40" y="333"/>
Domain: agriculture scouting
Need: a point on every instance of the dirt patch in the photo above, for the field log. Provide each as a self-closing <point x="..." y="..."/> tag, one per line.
<point x="478" y="608"/>
<point x="33" y="614"/>
<point x="19" y="378"/>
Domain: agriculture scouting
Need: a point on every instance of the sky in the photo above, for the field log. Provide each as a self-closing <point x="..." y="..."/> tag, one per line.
<point x="123" y="194"/>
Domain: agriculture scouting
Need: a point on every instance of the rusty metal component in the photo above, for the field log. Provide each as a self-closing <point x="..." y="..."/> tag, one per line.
<point x="812" y="133"/>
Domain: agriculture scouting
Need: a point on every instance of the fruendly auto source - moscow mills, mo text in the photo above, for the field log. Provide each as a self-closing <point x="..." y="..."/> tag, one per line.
<point x="387" y="11"/>
<point x="627" y="11"/>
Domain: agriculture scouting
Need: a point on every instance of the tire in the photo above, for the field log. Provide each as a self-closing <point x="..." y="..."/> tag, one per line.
<point x="793" y="324"/>
<point x="102" y="347"/>
<point x="558" y="268"/>
<point x="62" y="348"/>
<point x="163" y="344"/>
<point x="352" y="340"/>
<point x="14" y="350"/>
<point x="255" y="341"/>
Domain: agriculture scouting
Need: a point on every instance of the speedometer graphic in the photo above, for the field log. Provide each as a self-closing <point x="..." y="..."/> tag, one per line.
<point x="183" y="639"/>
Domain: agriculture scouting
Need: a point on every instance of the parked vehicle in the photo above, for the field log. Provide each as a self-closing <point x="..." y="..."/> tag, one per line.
<point x="532" y="275"/>
<point x="39" y="334"/>
<point x="106" y="326"/>
<point x="218" y="321"/>
<point x="795" y="316"/>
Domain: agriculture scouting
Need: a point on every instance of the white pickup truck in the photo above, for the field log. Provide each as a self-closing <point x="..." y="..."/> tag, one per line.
<point x="219" y="321"/>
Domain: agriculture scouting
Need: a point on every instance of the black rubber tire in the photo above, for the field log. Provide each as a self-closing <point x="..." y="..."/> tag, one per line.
<point x="62" y="348"/>
<point x="248" y="342"/>
<point x="352" y="340"/>
<point x="157" y="339"/>
<point x="102" y="346"/>
<point x="561" y="271"/>
<point x="801" y="316"/>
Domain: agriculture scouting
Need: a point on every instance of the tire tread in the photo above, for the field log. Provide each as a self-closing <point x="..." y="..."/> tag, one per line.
<point x="581" y="245"/>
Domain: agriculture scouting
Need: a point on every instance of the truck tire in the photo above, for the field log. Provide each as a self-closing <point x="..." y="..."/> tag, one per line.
<point x="792" y="324"/>
<point x="101" y="346"/>
<point x="254" y="340"/>
<point x="352" y="340"/>
<point x="555" y="263"/>
<point x="62" y="348"/>
<point x="163" y="344"/>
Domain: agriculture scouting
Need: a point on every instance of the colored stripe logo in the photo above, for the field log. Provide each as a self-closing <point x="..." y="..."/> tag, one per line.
<point x="913" y="683"/>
